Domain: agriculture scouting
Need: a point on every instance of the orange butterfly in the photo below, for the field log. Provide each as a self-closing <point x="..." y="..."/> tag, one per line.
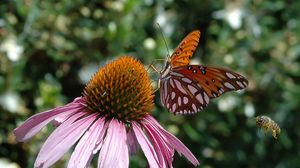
<point x="187" y="89"/>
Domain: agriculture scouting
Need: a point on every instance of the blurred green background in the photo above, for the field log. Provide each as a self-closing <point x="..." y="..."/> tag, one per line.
<point x="49" y="50"/>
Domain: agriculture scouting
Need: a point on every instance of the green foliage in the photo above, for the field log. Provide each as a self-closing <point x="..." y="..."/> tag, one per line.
<point x="46" y="45"/>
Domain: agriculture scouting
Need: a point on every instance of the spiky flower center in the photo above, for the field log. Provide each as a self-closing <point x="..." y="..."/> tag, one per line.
<point x="121" y="89"/>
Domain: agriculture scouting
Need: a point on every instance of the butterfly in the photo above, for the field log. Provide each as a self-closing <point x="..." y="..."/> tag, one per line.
<point x="187" y="89"/>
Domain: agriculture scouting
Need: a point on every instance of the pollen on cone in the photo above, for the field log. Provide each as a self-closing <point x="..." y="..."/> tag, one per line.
<point x="121" y="89"/>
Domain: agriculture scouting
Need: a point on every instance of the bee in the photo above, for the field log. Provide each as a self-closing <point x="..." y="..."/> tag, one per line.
<point x="267" y="124"/>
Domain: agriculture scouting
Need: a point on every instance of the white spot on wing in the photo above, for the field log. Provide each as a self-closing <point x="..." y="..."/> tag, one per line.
<point x="179" y="86"/>
<point x="206" y="98"/>
<point x="240" y="84"/>
<point x="230" y="75"/>
<point x="220" y="91"/>
<point x="185" y="100"/>
<point x="199" y="98"/>
<point x="194" y="107"/>
<point x="245" y="83"/>
<point x="192" y="89"/>
<point x="229" y="85"/>
<point x="173" y="95"/>
<point x="172" y="83"/>
<point x="179" y="101"/>
<point x="187" y="80"/>
<point x="174" y="107"/>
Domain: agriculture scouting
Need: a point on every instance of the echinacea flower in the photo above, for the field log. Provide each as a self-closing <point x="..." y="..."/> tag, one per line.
<point x="112" y="118"/>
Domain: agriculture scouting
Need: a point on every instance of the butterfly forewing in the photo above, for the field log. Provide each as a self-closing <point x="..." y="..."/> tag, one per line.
<point x="214" y="81"/>
<point x="184" y="51"/>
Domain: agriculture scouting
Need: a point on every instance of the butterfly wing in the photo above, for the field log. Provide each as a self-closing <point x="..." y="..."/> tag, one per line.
<point x="185" y="50"/>
<point x="214" y="81"/>
<point x="182" y="97"/>
<point x="188" y="89"/>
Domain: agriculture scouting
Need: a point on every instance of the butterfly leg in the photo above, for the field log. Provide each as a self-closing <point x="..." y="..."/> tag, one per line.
<point x="151" y="66"/>
<point x="158" y="87"/>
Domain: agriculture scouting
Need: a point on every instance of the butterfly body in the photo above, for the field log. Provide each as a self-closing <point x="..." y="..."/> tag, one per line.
<point x="187" y="89"/>
<point x="165" y="72"/>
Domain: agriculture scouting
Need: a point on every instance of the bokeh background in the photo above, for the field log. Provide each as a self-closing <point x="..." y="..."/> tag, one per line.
<point x="49" y="50"/>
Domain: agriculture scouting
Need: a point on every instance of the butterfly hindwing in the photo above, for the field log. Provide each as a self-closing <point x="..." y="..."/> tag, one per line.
<point x="182" y="96"/>
<point x="189" y="88"/>
<point x="185" y="50"/>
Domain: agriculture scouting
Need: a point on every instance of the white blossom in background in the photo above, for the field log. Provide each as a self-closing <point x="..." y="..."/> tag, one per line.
<point x="227" y="103"/>
<point x="233" y="14"/>
<point x="86" y="72"/>
<point x="228" y="59"/>
<point x="5" y="163"/>
<point x="112" y="27"/>
<point x="253" y="25"/>
<point x="149" y="43"/>
<point x="12" y="48"/>
<point x="2" y="22"/>
<point x="116" y="5"/>
<point x="165" y="20"/>
<point x="249" y="110"/>
<point x="10" y="101"/>
<point x="207" y="152"/>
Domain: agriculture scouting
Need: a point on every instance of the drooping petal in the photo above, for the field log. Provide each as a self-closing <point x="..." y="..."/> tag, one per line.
<point x="146" y="146"/>
<point x="84" y="149"/>
<point x="132" y="142"/>
<point x="164" y="151"/>
<point x="113" y="148"/>
<point x="63" y="138"/>
<point x="176" y="143"/>
<point x="35" y="123"/>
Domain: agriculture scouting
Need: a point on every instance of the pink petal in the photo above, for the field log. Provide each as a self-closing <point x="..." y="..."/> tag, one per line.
<point x="176" y="143"/>
<point x="164" y="151"/>
<point x="100" y="140"/>
<point x="84" y="149"/>
<point x="60" y="119"/>
<point x="36" y="122"/>
<point x="113" y="152"/>
<point x="124" y="155"/>
<point x="132" y="142"/>
<point x="146" y="146"/>
<point x="63" y="138"/>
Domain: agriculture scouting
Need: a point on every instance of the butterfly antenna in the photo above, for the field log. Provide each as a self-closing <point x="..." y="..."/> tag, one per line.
<point x="160" y="30"/>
